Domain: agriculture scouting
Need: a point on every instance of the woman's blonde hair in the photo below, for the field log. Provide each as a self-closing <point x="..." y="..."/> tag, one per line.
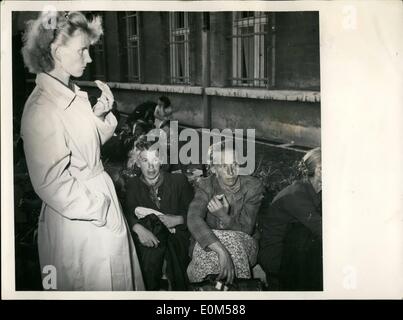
<point x="48" y="29"/>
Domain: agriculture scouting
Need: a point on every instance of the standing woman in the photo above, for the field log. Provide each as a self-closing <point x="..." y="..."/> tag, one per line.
<point x="82" y="233"/>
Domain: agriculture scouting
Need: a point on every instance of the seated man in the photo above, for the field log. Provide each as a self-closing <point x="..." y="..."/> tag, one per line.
<point x="290" y="250"/>
<point x="159" y="237"/>
<point x="222" y="219"/>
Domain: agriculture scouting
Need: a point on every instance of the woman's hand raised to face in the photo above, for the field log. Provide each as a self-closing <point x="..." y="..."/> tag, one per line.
<point x="105" y="101"/>
<point x="219" y="206"/>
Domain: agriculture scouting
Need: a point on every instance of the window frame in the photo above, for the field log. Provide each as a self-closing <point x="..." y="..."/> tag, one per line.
<point x="99" y="47"/>
<point x="174" y="62"/>
<point x="131" y="42"/>
<point x="262" y="75"/>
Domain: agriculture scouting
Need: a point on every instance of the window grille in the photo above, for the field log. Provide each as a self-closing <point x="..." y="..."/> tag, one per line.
<point x="251" y="52"/>
<point x="99" y="60"/>
<point x="131" y="45"/>
<point x="179" y="48"/>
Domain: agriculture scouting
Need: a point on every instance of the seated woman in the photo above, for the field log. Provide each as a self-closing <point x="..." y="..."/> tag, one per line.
<point x="290" y="248"/>
<point x="222" y="219"/>
<point x="158" y="237"/>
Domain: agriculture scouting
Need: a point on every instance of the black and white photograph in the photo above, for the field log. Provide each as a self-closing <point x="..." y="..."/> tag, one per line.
<point x="172" y="149"/>
<point x="84" y="174"/>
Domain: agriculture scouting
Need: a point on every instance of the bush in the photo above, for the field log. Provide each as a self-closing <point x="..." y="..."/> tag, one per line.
<point x="276" y="175"/>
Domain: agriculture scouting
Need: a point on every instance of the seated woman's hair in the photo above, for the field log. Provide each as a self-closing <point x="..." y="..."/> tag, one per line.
<point x="42" y="32"/>
<point x="144" y="142"/>
<point x="165" y="100"/>
<point x="311" y="160"/>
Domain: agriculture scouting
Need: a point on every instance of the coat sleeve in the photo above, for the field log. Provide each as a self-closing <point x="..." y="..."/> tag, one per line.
<point x="186" y="196"/>
<point x="131" y="202"/>
<point x="196" y="223"/>
<point x="48" y="159"/>
<point x="309" y="217"/>
<point x="107" y="127"/>
<point x="273" y="226"/>
<point x="246" y="220"/>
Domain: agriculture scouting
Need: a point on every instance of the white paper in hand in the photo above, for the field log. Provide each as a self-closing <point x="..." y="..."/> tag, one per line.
<point x="142" y="212"/>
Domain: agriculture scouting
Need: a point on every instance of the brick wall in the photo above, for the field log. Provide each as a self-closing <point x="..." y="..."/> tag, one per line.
<point x="297" y="67"/>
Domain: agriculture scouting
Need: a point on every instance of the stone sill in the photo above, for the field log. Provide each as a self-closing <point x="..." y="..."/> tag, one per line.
<point x="148" y="87"/>
<point x="279" y="95"/>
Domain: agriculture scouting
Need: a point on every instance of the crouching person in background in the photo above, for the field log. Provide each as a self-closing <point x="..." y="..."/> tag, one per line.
<point x="291" y="232"/>
<point x="222" y="219"/>
<point x="156" y="206"/>
<point x="163" y="111"/>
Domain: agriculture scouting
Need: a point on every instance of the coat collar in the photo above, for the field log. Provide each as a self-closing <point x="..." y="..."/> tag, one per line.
<point x="62" y="94"/>
<point x="218" y="190"/>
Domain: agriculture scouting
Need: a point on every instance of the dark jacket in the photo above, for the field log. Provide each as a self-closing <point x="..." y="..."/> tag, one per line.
<point x="290" y="249"/>
<point x="175" y="194"/>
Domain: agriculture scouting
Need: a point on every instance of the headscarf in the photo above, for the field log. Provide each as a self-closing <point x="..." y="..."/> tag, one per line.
<point x="311" y="160"/>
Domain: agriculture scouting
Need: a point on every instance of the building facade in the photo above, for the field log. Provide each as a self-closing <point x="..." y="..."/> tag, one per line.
<point x="235" y="70"/>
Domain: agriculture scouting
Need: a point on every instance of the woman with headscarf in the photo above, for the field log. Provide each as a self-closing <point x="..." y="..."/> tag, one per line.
<point x="222" y="219"/>
<point x="290" y="250"/>
<point x="82" y="234"/>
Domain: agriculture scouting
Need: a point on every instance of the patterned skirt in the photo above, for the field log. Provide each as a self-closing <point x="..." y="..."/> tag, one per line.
<point x="242" y="248"/>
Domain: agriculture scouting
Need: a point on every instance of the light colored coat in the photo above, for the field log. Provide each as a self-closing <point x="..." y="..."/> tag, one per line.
<point x="81" y="230"/>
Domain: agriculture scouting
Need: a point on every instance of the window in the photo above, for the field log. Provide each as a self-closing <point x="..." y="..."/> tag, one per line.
<point x="179" y="47"/>
<point x="98" y="66"/>
<point x="250" y="49"/>
<point x="130" y="39"/>
<point x="97" y="69"/>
